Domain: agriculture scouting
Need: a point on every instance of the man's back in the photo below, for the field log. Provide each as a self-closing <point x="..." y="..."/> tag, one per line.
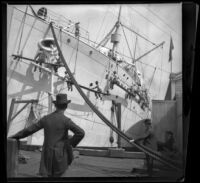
<point x="56" y="126"/>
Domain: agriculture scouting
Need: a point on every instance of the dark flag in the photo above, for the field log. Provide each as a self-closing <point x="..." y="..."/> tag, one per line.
<point x="171" y="47"/>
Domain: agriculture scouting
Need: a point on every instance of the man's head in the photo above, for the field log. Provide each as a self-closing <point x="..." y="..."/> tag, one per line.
<point x="168" y="135"/>
<point x="147" y="123"/>
<point x="61" y="101"/>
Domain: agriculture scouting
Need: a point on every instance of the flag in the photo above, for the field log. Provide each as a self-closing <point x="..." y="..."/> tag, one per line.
<point x="171" y="47"/>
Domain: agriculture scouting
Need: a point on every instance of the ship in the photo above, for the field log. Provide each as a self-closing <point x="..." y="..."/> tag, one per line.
<point x="109" y="80"/>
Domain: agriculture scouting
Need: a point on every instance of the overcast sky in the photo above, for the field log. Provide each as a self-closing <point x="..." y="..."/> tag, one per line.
<point x="157" y="22"/>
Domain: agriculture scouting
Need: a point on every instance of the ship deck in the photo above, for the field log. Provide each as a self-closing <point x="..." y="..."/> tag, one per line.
<point x="90" y="166"/>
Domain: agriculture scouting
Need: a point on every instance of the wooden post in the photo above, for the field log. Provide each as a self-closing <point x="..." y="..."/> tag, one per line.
<point x="118" y="114"/>
<point x="12" y="157"/>
<point x="52" y="91"/>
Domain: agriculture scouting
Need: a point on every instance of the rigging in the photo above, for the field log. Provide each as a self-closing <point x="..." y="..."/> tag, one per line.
<point x="141" y="147"/>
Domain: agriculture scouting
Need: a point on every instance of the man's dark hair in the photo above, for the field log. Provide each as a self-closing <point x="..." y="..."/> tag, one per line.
<point x="147" y="122"/>
<point x="61" y="106"/>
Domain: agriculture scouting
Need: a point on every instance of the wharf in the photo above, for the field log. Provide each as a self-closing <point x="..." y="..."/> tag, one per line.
<point x="92" y="166"/>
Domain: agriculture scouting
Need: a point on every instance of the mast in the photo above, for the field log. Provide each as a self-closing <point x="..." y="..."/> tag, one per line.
<point x="115" y="38"/>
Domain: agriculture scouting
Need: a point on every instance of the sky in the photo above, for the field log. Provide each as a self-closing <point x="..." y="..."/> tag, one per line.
<point x="156" y="22"/>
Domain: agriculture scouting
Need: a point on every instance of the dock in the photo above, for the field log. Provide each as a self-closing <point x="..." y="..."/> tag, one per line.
<point x="96" y="166"/>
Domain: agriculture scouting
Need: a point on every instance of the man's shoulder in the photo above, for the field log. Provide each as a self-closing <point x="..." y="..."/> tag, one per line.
<point x="60" y="115"/>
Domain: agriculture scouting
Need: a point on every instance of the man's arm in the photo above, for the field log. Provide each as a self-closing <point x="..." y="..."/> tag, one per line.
<point x="79" y="133"/>
<point x="28" y="131"/>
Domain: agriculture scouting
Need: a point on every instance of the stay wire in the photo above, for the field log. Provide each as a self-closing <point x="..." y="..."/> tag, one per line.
<point x="161" y="72"/>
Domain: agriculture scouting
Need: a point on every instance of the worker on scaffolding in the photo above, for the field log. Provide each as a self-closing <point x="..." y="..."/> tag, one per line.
<point x="98" y="89"/>
<point x="69" y="81"/>
<point x="55" y="58"/>
<point x="40" y="58"/>
<point x="113" y="79"/>
<point x="77" y="29"/>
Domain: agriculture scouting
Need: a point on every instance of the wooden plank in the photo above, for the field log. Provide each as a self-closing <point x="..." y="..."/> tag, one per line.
<point x="12" y="157"/>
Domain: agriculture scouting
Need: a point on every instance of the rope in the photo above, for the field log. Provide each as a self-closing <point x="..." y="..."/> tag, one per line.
<point x="20" y="29"/>
<point x="24" y="18"/>
<point x="145" y="149"/>
<point x="161" y="19"/>
<point x="101" y="24"/>
<point x="149" y="20"/>
<point x="76" y="56"/>
<point x="134" y="31"/>
<point x="152" y="78"/>
<point x="161" y="72"/>
<point x="135" y="47"/>
<point x="10" y="25"/>
<point x="71" y="56"/>
<point x="127" y="43"/>
<point x="138" y="34"/>
<point x="61" y="39"/>
<point x="29" y="34"/>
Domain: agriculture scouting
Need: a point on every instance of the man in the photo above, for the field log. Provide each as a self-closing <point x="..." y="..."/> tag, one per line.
<point x="56" y="151"/>
<point x="98" y="95"/>
<point x="147" y="139"/>
<point x="77" y="29"/>
<point x="168" y="147"/>
<point x="69" y="82"/>
<point x="40" y="58"/>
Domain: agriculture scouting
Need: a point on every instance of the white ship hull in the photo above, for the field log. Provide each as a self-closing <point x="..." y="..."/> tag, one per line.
<point x="91" y="66"/>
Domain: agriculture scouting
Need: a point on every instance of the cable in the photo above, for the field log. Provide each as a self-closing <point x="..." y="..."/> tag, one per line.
<point x="135" y="31"/>
<point x="76" y="56"/>
<point x="161" y="20"/>
<point x="24" y="18"/>
<point x="149" y="20"/>
<point x="127" y="43"/>
<point x="102" y="23"/>
<point x="20" y="29"/>
<point x="161" y="72"/>
<point x="29" y="34"/>
<point x="152" y="78"/>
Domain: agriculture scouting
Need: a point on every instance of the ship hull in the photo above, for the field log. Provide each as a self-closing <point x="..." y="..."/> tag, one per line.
<point x="87" y="63"/>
